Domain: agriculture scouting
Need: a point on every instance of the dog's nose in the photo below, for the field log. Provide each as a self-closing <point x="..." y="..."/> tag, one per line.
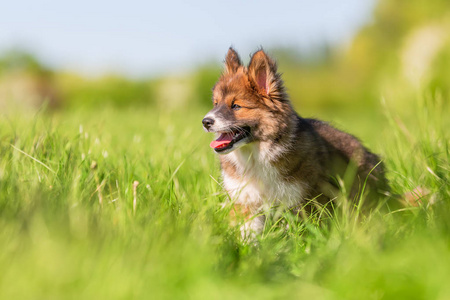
<point x="208" y="122"/>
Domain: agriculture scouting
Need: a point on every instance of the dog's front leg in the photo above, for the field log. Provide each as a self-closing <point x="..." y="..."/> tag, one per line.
<point x="254" y="223"/>
<point x="253" y="228"/>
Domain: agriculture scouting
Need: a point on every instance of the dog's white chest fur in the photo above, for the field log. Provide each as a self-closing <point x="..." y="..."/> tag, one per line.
<point x="259" y="183"/>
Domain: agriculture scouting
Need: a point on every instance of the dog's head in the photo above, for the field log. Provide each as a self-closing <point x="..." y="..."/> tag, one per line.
<point x="248" y="103"/>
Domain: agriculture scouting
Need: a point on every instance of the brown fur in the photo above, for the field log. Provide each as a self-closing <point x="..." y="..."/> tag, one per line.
<point x="305" y="151"/>
<point x="240" y="212"/>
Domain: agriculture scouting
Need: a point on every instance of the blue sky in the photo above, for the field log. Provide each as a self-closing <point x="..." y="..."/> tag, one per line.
<point x="149" y="37"/>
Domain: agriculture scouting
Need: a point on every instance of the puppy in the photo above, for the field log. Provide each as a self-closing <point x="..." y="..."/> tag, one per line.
<point x="270" y="156"/>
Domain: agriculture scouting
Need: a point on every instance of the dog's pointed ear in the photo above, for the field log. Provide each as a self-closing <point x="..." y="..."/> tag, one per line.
<point x="262" y="71"/>
<point x="232" y="61"/>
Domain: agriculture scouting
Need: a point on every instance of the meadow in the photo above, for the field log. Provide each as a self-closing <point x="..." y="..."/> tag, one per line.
<point x="109" y="190"/>
<point x="110" y="202"/>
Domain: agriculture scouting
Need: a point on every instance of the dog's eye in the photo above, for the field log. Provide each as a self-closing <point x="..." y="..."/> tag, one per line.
<point x="235" y="106"/>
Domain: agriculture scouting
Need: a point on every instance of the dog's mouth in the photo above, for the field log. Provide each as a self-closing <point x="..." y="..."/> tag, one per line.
<point x="226" y="140"/>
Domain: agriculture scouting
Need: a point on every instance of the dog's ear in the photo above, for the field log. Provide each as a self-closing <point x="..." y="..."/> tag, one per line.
<point x="232" y="61"/>
<point x="262" y="72"/>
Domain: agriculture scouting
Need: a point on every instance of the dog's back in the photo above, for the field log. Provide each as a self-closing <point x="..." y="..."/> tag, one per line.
<point x="350" y="161"/>
<point x="327" y="161"/>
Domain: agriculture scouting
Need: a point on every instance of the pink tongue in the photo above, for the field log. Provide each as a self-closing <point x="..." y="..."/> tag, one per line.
<point x="223" y="141"/>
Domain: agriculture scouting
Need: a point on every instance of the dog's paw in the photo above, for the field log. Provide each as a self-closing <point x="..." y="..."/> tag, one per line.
<point x="252" y="229"/>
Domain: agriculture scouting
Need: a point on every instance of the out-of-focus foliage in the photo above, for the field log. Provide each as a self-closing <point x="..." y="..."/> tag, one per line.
<point x="24" y="81"/>
<point x="115" y="194"/>
<point x="205" y="78"/>
<point x="19" y="60"/>
<point x="113" y="90"/>
<point x="405" y="46"/>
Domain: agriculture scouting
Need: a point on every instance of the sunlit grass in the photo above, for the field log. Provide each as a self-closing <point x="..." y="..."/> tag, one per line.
<point x="69" y="228"/>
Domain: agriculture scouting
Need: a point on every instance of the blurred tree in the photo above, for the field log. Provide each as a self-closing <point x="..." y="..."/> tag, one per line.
<point x="405" y="44"/>
<point x="113" y="90"/>
<point x="204" y="80"/>
<point x="26" y="82"/>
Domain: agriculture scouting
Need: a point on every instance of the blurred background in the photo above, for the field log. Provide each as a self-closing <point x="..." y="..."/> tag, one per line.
<point x="340" y="60"/>
<point x="109" y="190"/>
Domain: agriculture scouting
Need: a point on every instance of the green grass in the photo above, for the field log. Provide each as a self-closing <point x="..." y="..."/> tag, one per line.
<point x="69" y="229"/>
